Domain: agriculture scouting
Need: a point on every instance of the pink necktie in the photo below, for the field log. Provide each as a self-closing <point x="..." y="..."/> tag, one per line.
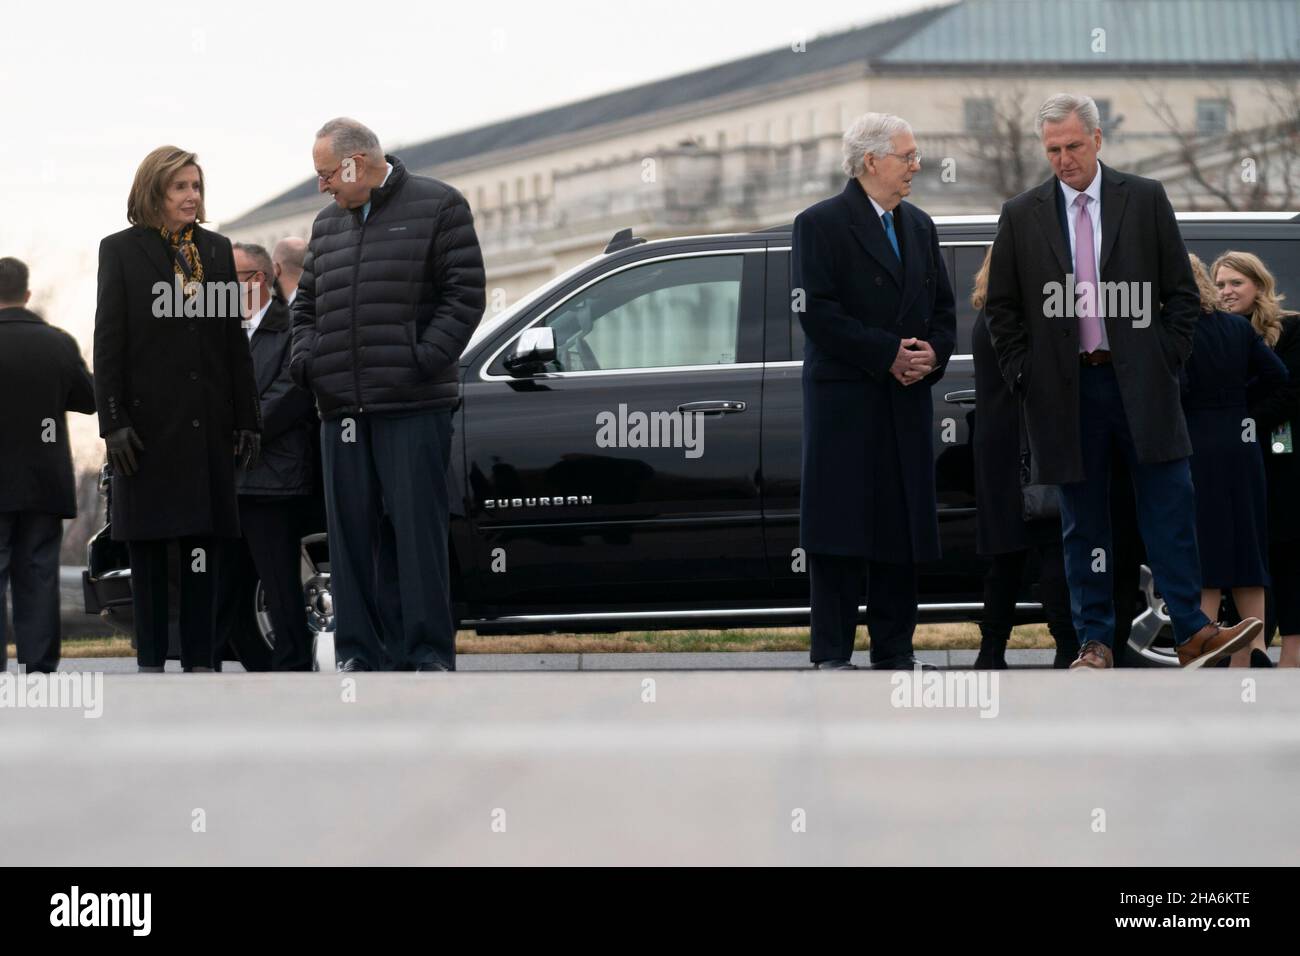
<point x="1085" y="274"/>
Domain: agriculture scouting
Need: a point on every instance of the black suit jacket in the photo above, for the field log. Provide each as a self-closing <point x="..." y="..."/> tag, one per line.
<point x="1038" y="348"/>
<point x="183" y="382"/>
<point x="868" y="458"/>
<point x="285" y="466"/>
<point x="42" y="377"/>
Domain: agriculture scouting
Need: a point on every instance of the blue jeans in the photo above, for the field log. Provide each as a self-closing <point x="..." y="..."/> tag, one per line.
<point x="1166" y="510"/>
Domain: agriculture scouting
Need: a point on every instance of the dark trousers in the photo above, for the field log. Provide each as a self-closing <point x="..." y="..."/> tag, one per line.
<point x="1002" y="587"/>
<point x="150" y="600"/>
<point x="836" y="586"/>
<point x="1166" y="516"/>
<point x="29" y="564"/>
<point x="270" y="551"/>
<point x="386" y="501"/>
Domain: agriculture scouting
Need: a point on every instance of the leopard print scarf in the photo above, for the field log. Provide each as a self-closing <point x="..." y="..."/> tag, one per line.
<point x="185" y="258"/>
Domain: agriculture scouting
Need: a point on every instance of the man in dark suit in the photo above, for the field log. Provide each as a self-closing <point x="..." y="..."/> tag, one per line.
<point x="1101" y="371"/>
<point x="275" y="494"/>
<point x="876" y="307"/>
<point x="42" y="377"/>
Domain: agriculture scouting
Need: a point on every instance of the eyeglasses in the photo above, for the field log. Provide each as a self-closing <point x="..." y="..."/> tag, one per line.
<point x="251" y="272"/>
<point x="913" y="158"/>
<point x="325" y="179"/>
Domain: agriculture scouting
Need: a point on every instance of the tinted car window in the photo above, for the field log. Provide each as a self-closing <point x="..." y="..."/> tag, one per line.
<point x="672" y="312"/>
<point x="968" y="261"/>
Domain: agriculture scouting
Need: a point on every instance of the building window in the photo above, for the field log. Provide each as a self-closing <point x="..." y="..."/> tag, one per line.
<point x="1212" y="116"/>
<point x="978" y="114"/>
<point x="1103" y="113"/>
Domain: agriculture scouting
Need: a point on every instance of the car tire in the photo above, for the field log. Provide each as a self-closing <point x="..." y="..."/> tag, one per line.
<point x="247" y="644"/>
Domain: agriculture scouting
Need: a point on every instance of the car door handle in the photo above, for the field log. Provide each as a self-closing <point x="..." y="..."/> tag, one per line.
<point x="965" y="396"/>
<point x="712" y="408"/>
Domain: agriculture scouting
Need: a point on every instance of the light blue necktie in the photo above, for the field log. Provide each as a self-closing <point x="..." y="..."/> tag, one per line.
<point x="888" y="220"/>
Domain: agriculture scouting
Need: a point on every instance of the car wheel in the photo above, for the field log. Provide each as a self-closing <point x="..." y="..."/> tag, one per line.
<point x="250" y="649"/>
<point x="318" y="604"/>
<point x="1151" y="641"/>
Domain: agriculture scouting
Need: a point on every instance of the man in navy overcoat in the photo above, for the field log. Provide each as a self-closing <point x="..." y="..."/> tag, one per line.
<point x="873" y="296"/>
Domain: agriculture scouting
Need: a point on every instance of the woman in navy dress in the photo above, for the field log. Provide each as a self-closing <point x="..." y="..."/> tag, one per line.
<point x="1247" y="288"/>
<point x="1227" y="462"/>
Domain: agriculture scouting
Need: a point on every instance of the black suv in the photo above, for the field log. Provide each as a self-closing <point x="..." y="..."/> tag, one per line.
<point x="594" y="498"/>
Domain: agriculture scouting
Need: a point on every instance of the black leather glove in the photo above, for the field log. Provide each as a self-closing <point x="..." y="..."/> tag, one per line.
<point x="122" y="446"/>
<point x="248" y="448"/>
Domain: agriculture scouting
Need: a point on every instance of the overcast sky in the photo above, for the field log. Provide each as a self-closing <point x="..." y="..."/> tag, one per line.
<point x="88" y="91"/>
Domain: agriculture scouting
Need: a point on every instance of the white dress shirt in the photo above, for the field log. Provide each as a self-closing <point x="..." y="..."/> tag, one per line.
<point x="1093" y="192"/>
<point x="250" y="325"/>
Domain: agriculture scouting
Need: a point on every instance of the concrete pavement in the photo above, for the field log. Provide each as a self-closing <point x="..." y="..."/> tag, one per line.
<point x="1037" y="658"/>
<point x="657" y="767"/>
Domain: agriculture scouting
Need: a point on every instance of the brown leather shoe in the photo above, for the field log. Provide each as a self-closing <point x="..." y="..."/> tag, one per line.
<point x="1212" y="642"/>
<point x="1094" y="655"/>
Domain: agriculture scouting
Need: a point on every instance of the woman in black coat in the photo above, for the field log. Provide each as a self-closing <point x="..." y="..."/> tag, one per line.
<point x="1227" y="466"/>
<point x="176" y="399"/>
<point x="1247" y="288"/>
<point x="1002" y="533"/>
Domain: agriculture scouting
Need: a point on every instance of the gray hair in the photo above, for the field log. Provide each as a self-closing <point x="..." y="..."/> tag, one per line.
<point x="870" y="133"/>
<point x="261" y="258"/>
<point x="1058" y="108"/>
<point x="348" y="137"/>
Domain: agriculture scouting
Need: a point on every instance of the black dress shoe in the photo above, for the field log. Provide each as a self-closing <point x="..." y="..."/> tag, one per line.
<point x="352" y="665"/>
<point x="834" y="666"/>
<point x="431" y="666"/>
<point x="907" y="663"/>
<point x="1260" y="658"/>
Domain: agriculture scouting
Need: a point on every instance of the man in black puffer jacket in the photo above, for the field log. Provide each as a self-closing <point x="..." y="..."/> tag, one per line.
<point x="391" y="291"/>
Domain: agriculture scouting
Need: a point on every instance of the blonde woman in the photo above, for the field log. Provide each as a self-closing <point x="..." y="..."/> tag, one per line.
<point x="1247" y="288"/>
<point x="1227" y="465"/>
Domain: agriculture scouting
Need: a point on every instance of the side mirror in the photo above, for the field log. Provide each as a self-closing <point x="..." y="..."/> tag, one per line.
<point x="533" y="349"/>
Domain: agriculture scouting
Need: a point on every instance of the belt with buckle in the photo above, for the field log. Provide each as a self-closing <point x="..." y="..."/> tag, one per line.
<point x="1098" y="357"/>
